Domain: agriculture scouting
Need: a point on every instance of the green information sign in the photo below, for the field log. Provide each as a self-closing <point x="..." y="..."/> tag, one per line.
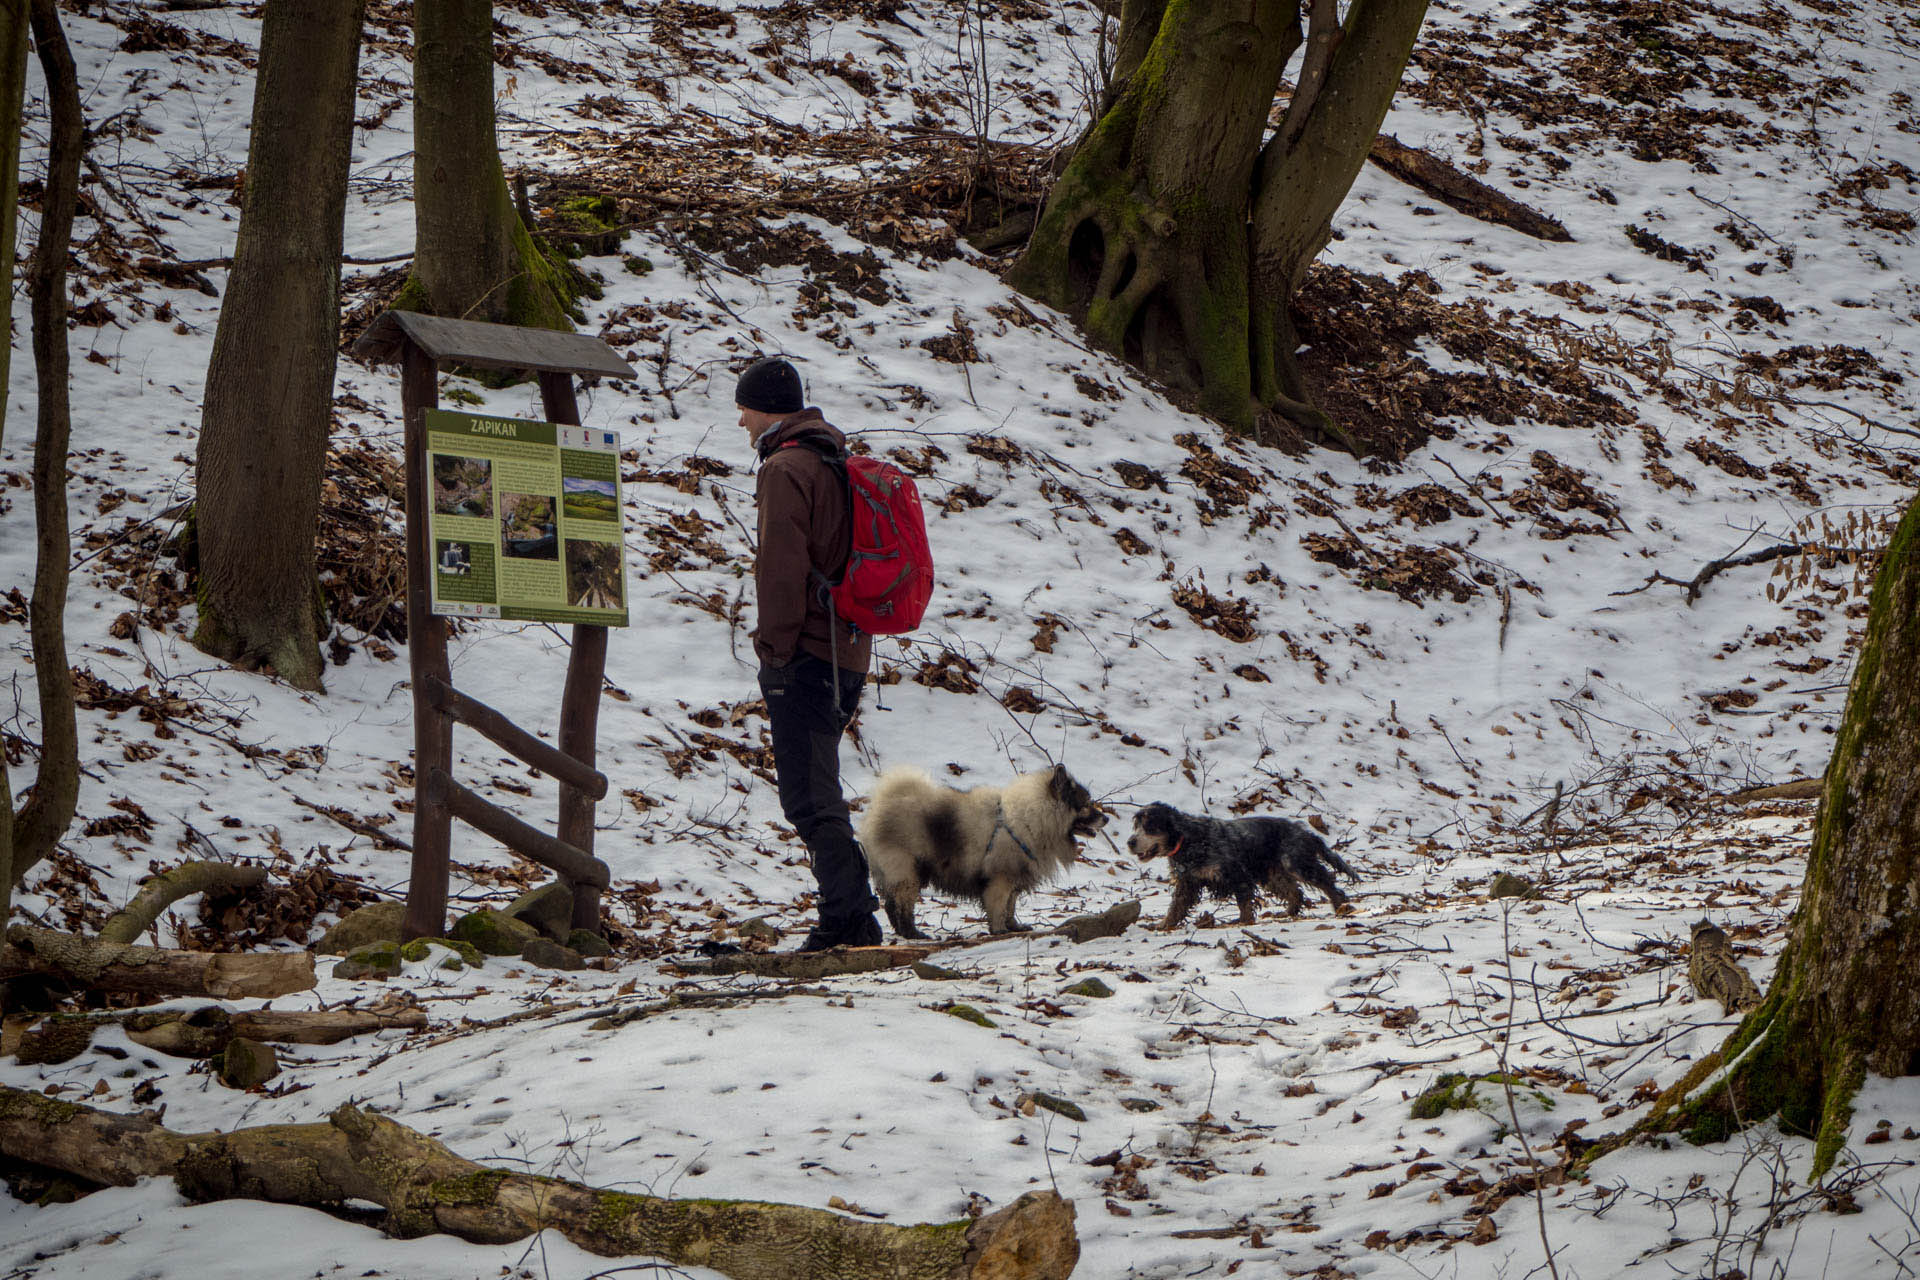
<point x="525" y="523"/>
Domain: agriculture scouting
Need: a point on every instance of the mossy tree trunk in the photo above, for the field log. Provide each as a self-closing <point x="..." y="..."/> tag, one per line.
<point x="1845" y="998"/>
<point x="56" y="787"/>
<point x="269" y="401"/>
<point x="474" y="258"/>
<point x="427" y="1189"/>
<point x="13" y="84"/>
<point x="1184" y="223"/>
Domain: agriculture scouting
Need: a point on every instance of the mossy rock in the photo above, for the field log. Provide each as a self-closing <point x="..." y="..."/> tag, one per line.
<point x="376" y="960"/>
<point x="545" y="953"/>
<point x="548" y="909"/>
<point x="495" y="933"/>
<point x="588" y="225"/>
<point x="935" y="973"/>
<point x="247" y="1064"/>
<point x="1455" y="1091"/>
<point x="1091" y="987"/>
<point x="1508" y="885"/>
<point x="461" y="955"/>
<point x="1059" y="1106"/>
<point x="758" y="927"/>
<point x="588" y="943"/>
<point x="967" y="1013"/>
<point x="1139" y="1104"/>
<point x="637" y="265"/>
<point x="375" y="922"/>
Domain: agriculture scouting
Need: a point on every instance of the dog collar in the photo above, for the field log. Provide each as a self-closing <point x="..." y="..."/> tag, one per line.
<point x="1178" y="845"/>
<point x="999" y="825"/>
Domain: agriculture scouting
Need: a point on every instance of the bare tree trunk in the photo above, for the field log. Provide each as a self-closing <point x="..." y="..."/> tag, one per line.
<point x="1844" y="999"/>
<point x="269" y="401"/>
<point x="474" y="258"/>
<point x="1347" y="82"/>
<point x="427" y="1189"/>
<point x="13" y="86"/>
<point x="49" y="809"/>
<point x="1180" y="228"/>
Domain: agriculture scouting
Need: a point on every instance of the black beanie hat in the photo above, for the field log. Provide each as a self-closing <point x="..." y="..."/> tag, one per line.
<point x="770" y="385"/>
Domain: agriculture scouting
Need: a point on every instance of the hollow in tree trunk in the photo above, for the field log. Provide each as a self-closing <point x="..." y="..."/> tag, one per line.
<point x="1183" y="224"/>
<point x="1844" y="999"/>
<point x="269" y="401"/>
<point x="474" y="258"/>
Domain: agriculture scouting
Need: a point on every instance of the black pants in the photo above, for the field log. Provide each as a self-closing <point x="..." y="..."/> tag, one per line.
<point x="807" y="721"/>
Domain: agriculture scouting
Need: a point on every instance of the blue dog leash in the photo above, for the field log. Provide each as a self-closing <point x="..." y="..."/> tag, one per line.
<point x="999" y="825"/>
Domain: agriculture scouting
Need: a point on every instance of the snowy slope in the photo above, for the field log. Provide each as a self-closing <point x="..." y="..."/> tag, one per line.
<point x="1177" y="615"/>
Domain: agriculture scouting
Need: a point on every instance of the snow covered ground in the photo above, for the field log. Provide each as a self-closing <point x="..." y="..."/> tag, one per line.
<point x="1421" y="654"/>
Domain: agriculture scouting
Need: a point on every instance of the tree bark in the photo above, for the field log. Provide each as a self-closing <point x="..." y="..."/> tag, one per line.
<point x="49" y="809"/>
<point x="197" y="1033"/>
<point x="269" y="399"/>
<point x="427" y="1189"/>
<point x="155" y="971"/>
<point x="167" y="888"/>
<point x="14" y="21"/>
<point x="1182" y="225"/>
<point x="474" y="258"/>
<point x="1844" y="999"/>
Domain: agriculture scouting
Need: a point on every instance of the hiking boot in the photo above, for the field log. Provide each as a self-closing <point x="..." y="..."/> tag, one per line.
<point x="861" y="931"/>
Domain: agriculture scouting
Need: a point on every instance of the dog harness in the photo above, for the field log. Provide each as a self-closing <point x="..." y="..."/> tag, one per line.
<point x="999" y="825"/>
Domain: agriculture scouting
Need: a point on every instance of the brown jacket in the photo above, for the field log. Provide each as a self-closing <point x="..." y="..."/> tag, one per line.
<point x="804" y="529"/>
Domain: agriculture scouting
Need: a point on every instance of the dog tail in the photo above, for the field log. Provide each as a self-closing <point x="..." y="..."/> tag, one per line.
<point x="1334" y="860"/>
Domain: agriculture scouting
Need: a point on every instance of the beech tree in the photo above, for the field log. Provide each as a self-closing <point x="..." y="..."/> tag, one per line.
<point x="1844" y="999"/>
<point x="474" y="257"/>
<point x="13" y="88"/>
<point x="1184" y="222"/>
<point x="269" y="400"/>
<point x="48" y="811"/>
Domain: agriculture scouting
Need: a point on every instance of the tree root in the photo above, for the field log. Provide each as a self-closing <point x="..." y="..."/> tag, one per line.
<point x="154" y="971"/>
<point x="167" y="888"/>
<point x="427" y="1189"/>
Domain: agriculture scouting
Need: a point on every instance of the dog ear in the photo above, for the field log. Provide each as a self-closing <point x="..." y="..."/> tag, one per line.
<point x="1060" y="782"/>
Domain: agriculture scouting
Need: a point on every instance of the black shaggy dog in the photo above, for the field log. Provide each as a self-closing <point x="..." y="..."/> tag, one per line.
<point x="1236" y="859"/>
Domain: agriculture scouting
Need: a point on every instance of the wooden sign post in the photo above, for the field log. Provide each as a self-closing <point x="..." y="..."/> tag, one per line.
<point x="420" y="343"/>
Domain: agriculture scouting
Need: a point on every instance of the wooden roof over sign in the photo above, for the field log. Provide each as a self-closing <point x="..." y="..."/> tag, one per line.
<point x="492" y="346"/>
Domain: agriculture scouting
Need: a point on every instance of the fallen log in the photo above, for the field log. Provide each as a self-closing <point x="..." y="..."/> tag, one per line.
<point x="155" y="971"/>
<point x="1462" y="191"/>
<point x="167" y="888"/>
<point x="840" y="961"/>
<point x="427" y="1189"/>
<point x="195" y="1033"/>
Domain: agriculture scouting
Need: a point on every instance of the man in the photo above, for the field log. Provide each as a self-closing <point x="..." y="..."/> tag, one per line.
<point x="812" y="665"/>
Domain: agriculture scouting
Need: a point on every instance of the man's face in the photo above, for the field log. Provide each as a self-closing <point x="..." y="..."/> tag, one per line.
<point x="756" y="423"/>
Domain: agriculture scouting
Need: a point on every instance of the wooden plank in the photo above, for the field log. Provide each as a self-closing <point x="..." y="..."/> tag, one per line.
<point x="580" y="701"/>
<point x="529" y="842"/>
<point x="515" y="741"/>
<point x="493" y="346"/>
<point x="427" y="661"/>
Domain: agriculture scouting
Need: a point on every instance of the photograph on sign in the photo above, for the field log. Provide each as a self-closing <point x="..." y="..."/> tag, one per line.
<point x="526" y="521"/>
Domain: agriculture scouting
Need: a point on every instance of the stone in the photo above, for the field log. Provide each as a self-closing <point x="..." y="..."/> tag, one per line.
<point x="548" y="909"/>
<point x="495" y="933"/>
<point x="589" y="943"/>
<point x="759" y="928"/>
<point x="375" y="922"/>
<point x="1089" y="987"/>
<point x="1048" y="1102"/>
<point x="545" y="953"/>
<point x="967" y="1013"/>
<point x="935" y="973"/>
<point x="459" y="955"/>
<point x="247" y="1064"/>
<point x="375" y="960"/>
<point x="1508" y="885"/>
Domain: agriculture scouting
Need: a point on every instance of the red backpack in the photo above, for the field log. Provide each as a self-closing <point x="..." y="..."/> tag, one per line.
<point x="888" y="578"/>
